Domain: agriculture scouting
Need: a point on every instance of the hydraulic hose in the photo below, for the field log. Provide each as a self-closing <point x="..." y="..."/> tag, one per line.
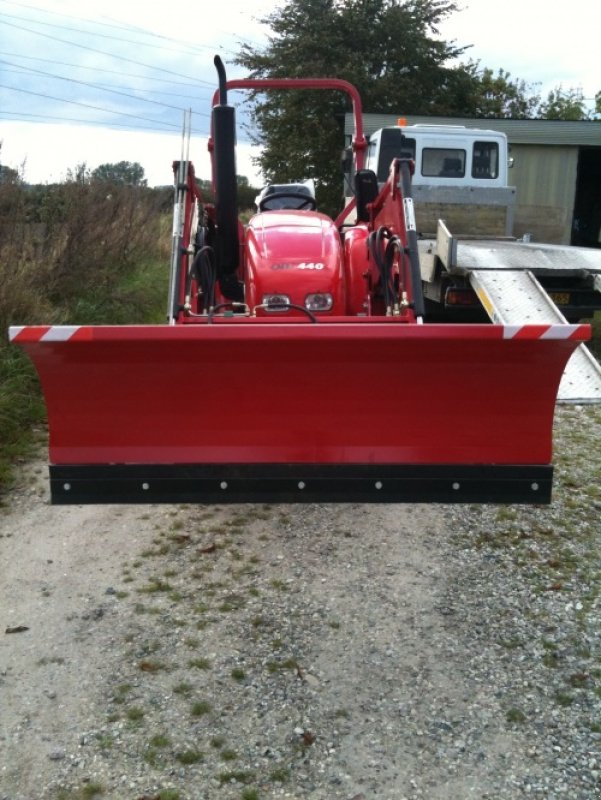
<point x="416" y="276"/>
<point x="204" y="270"/>
<point x="378" y="251"/>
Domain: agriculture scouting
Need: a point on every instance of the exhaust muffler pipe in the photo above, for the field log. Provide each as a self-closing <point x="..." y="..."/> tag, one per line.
<point x="226" y="190"/>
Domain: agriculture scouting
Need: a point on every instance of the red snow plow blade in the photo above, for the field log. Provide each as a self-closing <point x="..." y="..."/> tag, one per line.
<point x="265" y="410"/>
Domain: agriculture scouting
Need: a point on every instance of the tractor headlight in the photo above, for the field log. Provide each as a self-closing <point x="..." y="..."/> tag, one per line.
<point x="319" y="301"/>
<point x="276" y="302"/>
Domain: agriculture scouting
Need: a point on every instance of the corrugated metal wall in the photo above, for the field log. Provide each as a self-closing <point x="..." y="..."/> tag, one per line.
<point x="545" y="181"/>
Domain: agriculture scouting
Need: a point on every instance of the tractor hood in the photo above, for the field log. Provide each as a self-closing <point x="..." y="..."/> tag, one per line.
<point x="294" y="254"/>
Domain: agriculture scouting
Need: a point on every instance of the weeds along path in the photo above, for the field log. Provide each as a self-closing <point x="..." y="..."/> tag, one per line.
<point x="311" y="652"/>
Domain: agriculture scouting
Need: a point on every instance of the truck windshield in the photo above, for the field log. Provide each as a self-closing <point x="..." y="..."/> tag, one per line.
<point x="485" y="163"/>
<point x="393" y="144"/>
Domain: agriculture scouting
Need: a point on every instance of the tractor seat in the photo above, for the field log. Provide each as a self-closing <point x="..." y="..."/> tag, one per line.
<point x="293" y="196"/>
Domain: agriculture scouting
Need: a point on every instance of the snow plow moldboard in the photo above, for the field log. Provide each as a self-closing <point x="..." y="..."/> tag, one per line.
<point x="261" y="410"/>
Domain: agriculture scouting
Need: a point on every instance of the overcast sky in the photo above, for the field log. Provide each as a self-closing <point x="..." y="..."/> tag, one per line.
<point x="148" y="62"/>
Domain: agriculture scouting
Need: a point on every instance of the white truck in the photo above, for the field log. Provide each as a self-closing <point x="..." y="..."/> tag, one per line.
<point x="473" y="268"/>
<point x="461" y="175"/>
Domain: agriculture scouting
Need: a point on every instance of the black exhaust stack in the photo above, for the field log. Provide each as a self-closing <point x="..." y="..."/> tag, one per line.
<point x="226" y="190"/>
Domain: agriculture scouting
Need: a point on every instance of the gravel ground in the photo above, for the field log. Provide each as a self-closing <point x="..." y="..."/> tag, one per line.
<point x="310" y="652"/>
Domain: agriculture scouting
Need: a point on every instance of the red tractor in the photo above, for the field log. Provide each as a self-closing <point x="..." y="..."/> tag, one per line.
<point x="296" y="363"/>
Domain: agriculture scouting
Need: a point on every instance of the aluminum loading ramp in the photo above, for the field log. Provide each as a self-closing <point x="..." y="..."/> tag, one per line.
<point x="515" y="297"/>
<point x="503" y="274"/>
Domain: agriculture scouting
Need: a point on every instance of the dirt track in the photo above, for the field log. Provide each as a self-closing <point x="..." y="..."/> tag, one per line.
<point x="311" y="652"/>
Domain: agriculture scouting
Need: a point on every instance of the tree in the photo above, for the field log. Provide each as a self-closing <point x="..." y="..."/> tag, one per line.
<point x="246" y="192"/>
<point x="497" y="96"/>
<point x="8" y="175"/>
<point x="387" y="48"/>
<point x="568" y="105"/>
<point x="127" y="173"/>
<point x="80" y="174"/>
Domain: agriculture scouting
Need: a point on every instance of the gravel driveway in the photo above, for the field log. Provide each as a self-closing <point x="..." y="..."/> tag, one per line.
<point x="309" y="652"/>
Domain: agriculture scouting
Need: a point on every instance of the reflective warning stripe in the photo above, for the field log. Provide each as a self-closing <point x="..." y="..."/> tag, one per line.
<point x="65" y="333"/>
<point x="42" y="333"/>
<point x="14" y="331"/>
<point x="542" y="331"/>
<point x="484" y="299"/>
<point x="560" y="332"/>
<point x="60" y="333"/>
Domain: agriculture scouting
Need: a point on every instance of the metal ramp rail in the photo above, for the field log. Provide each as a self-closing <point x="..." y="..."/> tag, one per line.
<point x="500" y="272"/>
<point x="516" y="297"/>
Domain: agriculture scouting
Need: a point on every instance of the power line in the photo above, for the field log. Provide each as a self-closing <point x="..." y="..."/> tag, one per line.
<point x="170" y="81"/>
<point x="151" y="79"/>
<point x="96" y="86"/>
<point x="24" y="116"/>
<point x="21" y="115"/>
<point x="138" y="43"/>
<point x="95" y="50"/>
<point x="114" y="24"/>
<point x="88" y="105"/>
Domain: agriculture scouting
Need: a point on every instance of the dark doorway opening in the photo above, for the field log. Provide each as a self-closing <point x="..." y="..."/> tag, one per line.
<point x="586" y="224"/>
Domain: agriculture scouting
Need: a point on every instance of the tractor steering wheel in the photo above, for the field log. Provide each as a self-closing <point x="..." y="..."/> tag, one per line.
<point x="309" y="201"/>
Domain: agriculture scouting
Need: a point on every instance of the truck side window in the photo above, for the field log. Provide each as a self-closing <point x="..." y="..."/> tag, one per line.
<point x="443" y="162"/>
<point x="485" y="163"/>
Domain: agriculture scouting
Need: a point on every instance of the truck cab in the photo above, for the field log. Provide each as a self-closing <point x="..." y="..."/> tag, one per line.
<point x="444" y="155"/>
<point x="461" y="175"/>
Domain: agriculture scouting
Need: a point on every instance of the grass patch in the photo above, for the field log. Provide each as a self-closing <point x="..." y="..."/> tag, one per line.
<point x="217" y="741"/>
<point x="160" y="740"/>
<point x="189" y="756"/>
<point x="279" y="666"/>
<point x="239" y="775"/>
<point x="515" y="715"/>
<point x="184" y="688"/>
<point x="155" y="585"/>
<point x="564" y="699"/>
<point x="22" y="411"/>
<point x="92" y="790"/>
<point x="280" y="774"/>
<point x="42" y="662"/>
<point x="200" y="663"/>
<point x="232" y="602"/>
<point x="134" y="714"/>
<point x="200" y="708"/>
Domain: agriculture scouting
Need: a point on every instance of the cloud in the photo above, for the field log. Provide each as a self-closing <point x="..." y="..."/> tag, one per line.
<point x="535" y="41"/>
